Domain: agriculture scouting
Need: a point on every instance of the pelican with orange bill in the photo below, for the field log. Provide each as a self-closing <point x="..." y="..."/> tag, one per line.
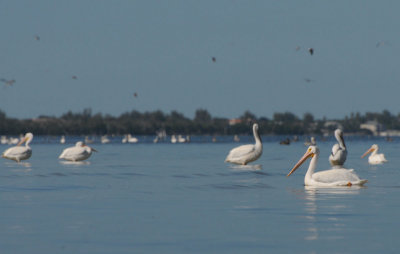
<point x="375" y="157"/>
<point x="327" y="178"/>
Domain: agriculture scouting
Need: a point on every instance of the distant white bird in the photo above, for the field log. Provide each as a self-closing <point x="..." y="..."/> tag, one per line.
<point x="13" y="141"/>
<point x="62" y="139"/>
<point x="88" y="141"/>
<point x="326" y="178"/>
<point x="375" y="157"/>
<point x="173" y="139"/>
<point x="339" y="151"/>
<point x="79" y="152"/>
<point x="312" y="142"/>
<point x="105" y="139"/>
<point x="181" y="139"/>
<point x="3" y="140"/>
<point x="18" y="153"/>
<point x="132" y="139"/>
<point x="246" y="153"/>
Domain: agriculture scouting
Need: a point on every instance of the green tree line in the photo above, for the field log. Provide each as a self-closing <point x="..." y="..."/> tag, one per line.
<point x="148" y="123"/>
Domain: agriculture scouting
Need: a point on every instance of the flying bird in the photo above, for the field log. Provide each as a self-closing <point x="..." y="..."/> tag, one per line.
<point x="382" y="43"/>
<point x="8" y="82"/>
<point x="74" y="77"/>
<point x="37" y="37"/>
<point x="135" y="94"/>
<point x="214" y="59"/>
<point x="311" y="50"/>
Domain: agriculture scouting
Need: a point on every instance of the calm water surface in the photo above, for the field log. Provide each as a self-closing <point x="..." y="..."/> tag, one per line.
<point x="182" y="198"/>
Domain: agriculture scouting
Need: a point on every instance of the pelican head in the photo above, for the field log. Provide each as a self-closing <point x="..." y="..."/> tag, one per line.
<point x="255" y="127"/>
<point x="79" y="144"/>
<point x="311" y="152"/>
<point x="373" y="148"/>
<point x="27" y="138"/>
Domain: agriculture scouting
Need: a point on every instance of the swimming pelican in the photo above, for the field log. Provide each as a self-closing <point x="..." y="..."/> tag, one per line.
<point x="62" y="140"/>
<point x="3" y="140"/>
<point x="104" y="139"/>
<point x="246" y="153"/>
<point x="79" y="152"/>
<point x="326" y="178"/>
<point x="181" y="139"/>
<point x="173" y="139"/>
<point x="339" y="151"/>
<point x="132" y="139"/>
<point x="18" y="153"/>
<point x="375" y="157"/>
<point x="312" y="142"/>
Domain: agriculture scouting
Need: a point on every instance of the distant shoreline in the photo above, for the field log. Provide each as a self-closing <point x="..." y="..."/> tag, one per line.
<point x="382" y="124"/>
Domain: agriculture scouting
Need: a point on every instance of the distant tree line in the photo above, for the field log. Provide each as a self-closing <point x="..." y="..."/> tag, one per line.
<point x="148" y="123"/>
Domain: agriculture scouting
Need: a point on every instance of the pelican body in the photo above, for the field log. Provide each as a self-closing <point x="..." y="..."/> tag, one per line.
<point x="326" y="178"/>
<point x="375" y="157"/>
<point x="18" y="152"/>
<point x="246" y="153"/>
<point x="79" y="152"/>
<point x="339" y="151"/>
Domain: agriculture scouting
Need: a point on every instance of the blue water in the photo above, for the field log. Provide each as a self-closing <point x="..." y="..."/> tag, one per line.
<point x="182" y="198"/>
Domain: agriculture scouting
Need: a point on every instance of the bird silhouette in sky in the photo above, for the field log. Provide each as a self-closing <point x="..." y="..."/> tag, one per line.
<point x="311" y="50"/>
<point x="8" y="82"/>
<point x="382" y="43"/>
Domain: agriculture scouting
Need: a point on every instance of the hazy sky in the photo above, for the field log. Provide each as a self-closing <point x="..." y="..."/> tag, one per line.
<point x="162" y="50"/>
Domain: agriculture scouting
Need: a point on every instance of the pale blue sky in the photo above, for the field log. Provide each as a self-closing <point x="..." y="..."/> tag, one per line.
<point x="162" y="50"/>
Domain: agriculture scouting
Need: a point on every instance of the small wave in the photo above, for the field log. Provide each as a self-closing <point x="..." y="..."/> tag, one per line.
<point x="237" y="186"/>
<point x="75" y="162"/>
<point x="181" y="176"/>
<point x="246" y="167"/>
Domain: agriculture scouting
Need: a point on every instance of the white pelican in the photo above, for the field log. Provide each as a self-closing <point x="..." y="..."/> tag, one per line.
<point x="13" y="141"/>
<point x="246" y="153"/>
<point x="132" y="139"/>
<point x="79" y="152"/>
<point x="312" y="142"/>
<point x="105" y="139"/>
<point x="173" y="139"/>
<point x="88" y="141"/>
<point x="339" y="151"/>
<point x="181" y="139"/>
<point x="3" y="140"/>
<point x="18" y="153"/>
<point x="375" y="157"/>
<point x="326" y="178"/>
<point x="62" y="140"/>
